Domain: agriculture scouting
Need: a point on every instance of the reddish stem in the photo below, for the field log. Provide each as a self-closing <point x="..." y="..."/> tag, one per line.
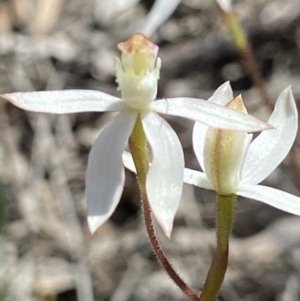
<point x="162" y="257"/>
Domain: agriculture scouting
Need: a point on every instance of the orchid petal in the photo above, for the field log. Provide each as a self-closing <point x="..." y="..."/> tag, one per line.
<point x="271" y="147"/>
<point x="192" y="177"/>
<point x="226" y="5"/>
<point x="222" y="96"/>
<point x="159" y="13"/>
<point x="199" y="134"/>
<point x="66" y="101"/>
<point x="128" y="161"/>
<point x="105" y="171"/>
<point x="197" y="178"/>
<point x="211" y="114"/>
<point x="165" y="176"/>
<point x="271" y="196"/>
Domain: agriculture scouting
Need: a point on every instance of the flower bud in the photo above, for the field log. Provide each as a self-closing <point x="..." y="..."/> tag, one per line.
<point x="224" y="153"/>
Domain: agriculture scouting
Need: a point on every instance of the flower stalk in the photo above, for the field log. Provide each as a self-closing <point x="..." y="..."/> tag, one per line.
<point x="140" y="155"/>
<point x="224" y="219"/>
<point x="242" y="44"/>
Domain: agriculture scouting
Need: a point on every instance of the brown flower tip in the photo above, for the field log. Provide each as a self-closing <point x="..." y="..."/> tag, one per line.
<point x="237" y="104"/>
<point x="138" y="43"/>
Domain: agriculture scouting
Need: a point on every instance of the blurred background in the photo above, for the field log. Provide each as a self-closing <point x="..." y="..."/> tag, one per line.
<point x="46" y="250"/>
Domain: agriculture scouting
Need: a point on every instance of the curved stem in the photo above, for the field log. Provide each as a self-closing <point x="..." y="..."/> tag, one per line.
<point x="162" y="257"/>
<point x="243" y="46"/>
<point x="217" y="270"/>
<point x="139" y="151"/>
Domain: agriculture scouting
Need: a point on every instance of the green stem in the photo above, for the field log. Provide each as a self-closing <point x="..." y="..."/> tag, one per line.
<point x="242" y="44"/>
<point x="215" y="276"/>
<point x="139" y="151"/>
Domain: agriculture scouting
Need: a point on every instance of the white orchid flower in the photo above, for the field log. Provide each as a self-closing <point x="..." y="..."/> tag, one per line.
<point x="137" y="75"/>
<point x="232" y="165"/>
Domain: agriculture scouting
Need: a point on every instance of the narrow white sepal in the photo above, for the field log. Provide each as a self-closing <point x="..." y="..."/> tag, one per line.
<point x="128" y="161"/>
<point x="165" y="176"/>
<point x="268" y="150"/>
<point x="159" y="13"/>
<point x="199" y="135"/>
<point x="94" y="222"/>
<point x="225" y="5"/>
<point x="209" y="113"/>
<point x="223" y="95"/>
<point x="66" y="101"/>
<point x="197" y="178"/>
<point x="105" y="170"/>
<point x="192" y="177"/>
<point x="271" y="196"/>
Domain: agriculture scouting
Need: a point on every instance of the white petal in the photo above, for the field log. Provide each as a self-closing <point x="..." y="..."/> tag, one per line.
<point x="192" y="177"/>
<point x="128" y="161"/>
<point x="159" y="13"/>
<point x="209" y="113"/>
<point x="105" y="171"/>
<point x="196" y="178"/>
<point x="271" y="196"/>
<point x="165" y="177"/>
<point x="199" y="134"/>
<point x="223" y="95"/>
<point x="271" y="147"/>
<point x="226" y="5"/>
<point x="66" y="101"/>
